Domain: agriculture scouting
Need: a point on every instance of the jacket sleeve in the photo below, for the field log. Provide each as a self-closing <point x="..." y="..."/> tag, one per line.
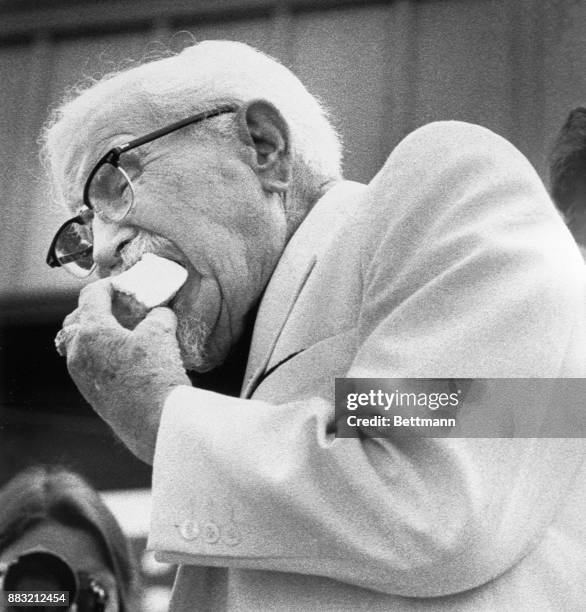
<point x="471" y="274"/>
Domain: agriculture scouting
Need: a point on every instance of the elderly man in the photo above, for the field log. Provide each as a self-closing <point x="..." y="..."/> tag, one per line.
<point x="451" y="262"/>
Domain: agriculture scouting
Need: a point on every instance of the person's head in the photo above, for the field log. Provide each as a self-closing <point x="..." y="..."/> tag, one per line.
<point x="568" y="173"/>
<point x="222" y="196"/>
<point x="56" y="511"/>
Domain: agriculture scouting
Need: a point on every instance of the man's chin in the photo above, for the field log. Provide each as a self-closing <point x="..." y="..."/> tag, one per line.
<point x="198" y="349"/>
<point x="195" y="363"/>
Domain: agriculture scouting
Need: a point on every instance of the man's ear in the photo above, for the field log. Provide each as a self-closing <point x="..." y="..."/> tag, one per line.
<point x="262" y="128"/>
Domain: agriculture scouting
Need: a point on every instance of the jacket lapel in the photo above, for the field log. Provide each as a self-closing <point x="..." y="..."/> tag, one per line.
<point x="279" y="305"/>
<point x="290" y="277"/>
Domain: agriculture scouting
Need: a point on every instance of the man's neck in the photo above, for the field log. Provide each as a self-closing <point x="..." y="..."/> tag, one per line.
<point x="229" y="377"/>
<point x="297" y="211"/>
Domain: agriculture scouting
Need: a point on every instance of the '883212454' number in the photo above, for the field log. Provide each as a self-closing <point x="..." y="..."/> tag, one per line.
<point x="37" y="598"/>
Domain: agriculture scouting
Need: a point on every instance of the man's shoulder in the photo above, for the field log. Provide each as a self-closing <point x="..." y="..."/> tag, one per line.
<point x="427" y="151"/>
<point x="448" y="166"/>
<point x="441" y="145"/>
<point x="445" y="178"/>
<point x="451" y="132"/>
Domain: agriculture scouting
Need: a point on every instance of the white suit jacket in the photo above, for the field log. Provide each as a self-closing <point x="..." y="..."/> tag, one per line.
<point x="452" y="262"/>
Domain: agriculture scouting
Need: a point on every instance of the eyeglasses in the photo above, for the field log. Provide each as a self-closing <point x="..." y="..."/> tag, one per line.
<point x="109" y="194"/>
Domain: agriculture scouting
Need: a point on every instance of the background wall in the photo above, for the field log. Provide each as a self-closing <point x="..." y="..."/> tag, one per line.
<point x="515" y="66"/>
<point x="382" y="68"/>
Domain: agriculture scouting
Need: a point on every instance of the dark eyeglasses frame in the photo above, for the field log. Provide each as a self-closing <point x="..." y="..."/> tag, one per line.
<point x="112" y="157"/>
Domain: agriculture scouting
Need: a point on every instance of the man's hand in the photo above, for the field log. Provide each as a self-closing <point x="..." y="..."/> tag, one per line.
<point x="125" y="375"/>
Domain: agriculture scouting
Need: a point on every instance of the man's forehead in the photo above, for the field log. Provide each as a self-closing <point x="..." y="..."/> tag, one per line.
<point x="89" y="137"/>
<point x="106" y="122"/>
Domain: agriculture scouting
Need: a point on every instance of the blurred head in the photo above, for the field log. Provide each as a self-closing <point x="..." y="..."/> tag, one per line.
<point x="568" y="173"/>
<point x="222" y="196"/>
<point x="56" y="511"/>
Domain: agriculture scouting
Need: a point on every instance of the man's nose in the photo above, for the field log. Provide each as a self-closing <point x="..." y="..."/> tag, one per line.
<point x="109" y="241"/>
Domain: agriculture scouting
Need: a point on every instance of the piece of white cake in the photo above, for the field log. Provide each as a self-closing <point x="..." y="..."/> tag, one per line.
<point x="151" y="282"/>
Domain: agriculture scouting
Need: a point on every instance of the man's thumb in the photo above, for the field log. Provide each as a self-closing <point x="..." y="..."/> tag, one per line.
<point x="158" y="320"/>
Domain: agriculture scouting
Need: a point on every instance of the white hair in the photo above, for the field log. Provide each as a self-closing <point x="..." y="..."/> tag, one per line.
<point x="199" y="78"/>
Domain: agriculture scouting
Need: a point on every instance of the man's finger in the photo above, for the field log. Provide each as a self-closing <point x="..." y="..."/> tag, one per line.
<point x="95" y="302"/>
<point x="64" y="336"/>
<point x="70" y="319"/>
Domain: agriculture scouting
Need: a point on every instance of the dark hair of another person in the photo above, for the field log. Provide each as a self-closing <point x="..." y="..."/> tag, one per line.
<point x="40" y="494"/>
<point x="567" y="162"/>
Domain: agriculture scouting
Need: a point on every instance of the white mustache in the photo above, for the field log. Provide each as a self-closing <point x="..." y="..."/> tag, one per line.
<point x="147" y="242"/>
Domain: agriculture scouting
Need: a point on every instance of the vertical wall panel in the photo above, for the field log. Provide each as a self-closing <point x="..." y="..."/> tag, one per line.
<point x="282" y="33"/>
<point x="565" y="69"/>
<point x="463" y="69"/>
<point x="15" y="65"/>
<point x="337" y="54"/>
<point x="528" y="50"/>
<point x="399" y="61"/>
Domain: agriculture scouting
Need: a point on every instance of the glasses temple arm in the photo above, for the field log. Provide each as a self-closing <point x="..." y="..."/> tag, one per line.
<point x="230" y="108"/>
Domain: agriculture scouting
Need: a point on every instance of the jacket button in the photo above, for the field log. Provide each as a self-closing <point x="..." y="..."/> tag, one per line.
<point x="211" y="533"/>
<point x="189" y="529"/>
<point x="231" y="536"/>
